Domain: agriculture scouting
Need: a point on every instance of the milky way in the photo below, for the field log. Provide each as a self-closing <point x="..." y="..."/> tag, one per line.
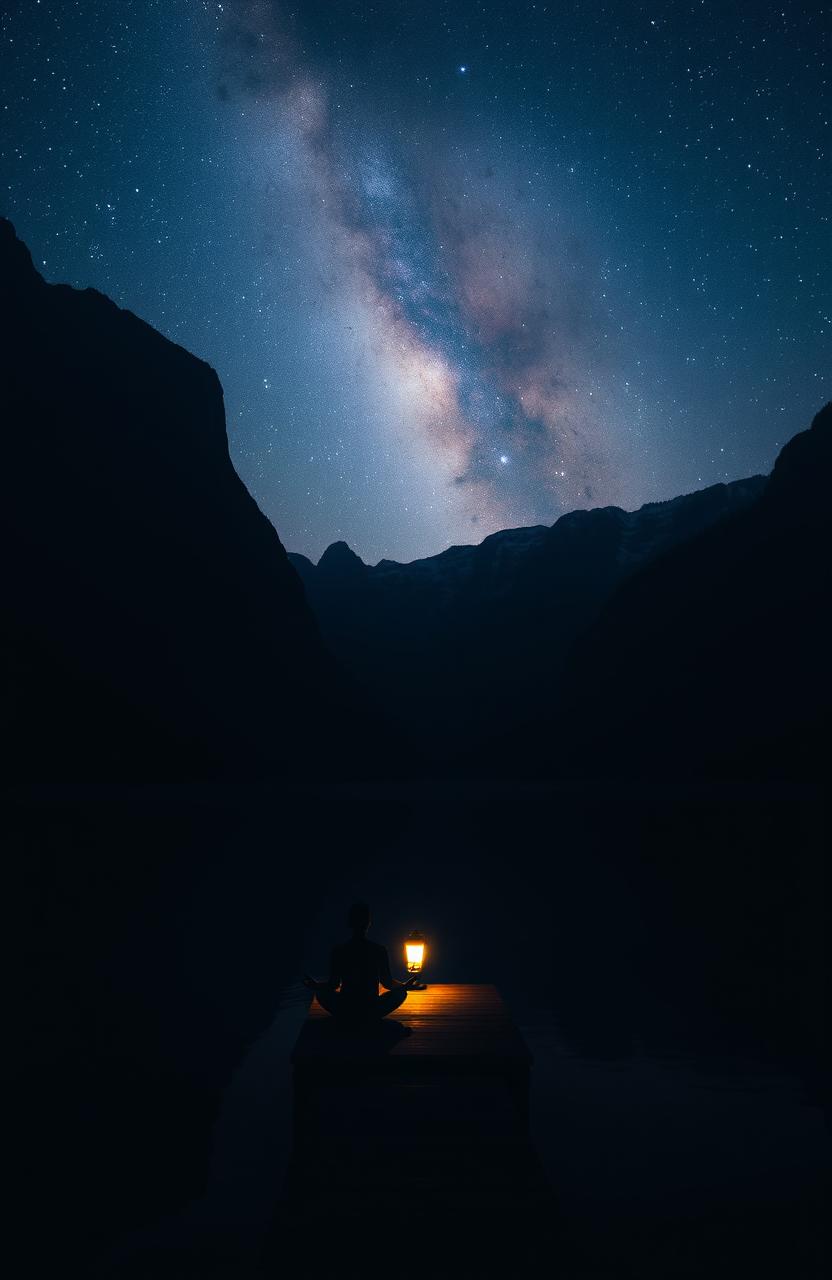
<point x="486" y="351"/>
<point x="459" y="267"/>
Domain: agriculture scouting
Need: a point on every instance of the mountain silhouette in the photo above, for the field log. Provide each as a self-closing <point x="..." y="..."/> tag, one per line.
<point x="714" y="660"/>
<point x="473" y="641"/>
<point x="153" y="627"/>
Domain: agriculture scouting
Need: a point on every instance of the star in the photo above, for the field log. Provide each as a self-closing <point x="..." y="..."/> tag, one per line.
<point x="419" y="284"/>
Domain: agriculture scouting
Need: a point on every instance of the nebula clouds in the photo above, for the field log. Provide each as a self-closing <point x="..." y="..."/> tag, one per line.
<point x="479" y="307"/>
<point x="459" y="264"/>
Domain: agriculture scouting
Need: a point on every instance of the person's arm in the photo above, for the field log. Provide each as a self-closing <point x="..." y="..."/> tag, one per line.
<point x="385" y="977"/>
<point x="333" y="982"/>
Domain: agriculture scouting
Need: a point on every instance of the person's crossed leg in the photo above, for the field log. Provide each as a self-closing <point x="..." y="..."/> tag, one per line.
<point x="370" y="1011"/>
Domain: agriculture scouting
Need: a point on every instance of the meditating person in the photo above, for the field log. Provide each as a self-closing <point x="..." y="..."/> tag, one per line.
<point x="355" y="971"/>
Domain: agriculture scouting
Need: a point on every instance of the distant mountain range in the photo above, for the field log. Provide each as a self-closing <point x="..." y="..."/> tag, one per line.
<point x="154" y="627"/>
<point x="689" y="638"/>
<point x="475" y="639"/>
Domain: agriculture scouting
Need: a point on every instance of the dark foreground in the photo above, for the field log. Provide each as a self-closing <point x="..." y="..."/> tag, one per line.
<point x="423" y="1118"/>
<point x="660" y="949"/>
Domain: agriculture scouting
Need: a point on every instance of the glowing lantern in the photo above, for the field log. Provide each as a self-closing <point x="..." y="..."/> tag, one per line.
<point x="414" y="951"/>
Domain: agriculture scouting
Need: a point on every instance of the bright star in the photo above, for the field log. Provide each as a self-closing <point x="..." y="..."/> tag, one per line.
<point x="462" y="70"/>
<point x="503" y="458"/>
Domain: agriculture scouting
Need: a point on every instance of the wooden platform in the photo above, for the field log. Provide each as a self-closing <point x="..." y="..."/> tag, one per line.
<point x="449" y="1023"/>
<point x="424" y="1114"/>
<point x="449" y="1030"/>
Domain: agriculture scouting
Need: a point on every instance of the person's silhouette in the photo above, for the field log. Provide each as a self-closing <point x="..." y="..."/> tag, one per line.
<point x="356" y="968"/>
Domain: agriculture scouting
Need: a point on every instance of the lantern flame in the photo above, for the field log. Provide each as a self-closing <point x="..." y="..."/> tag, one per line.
<point x="414" y="950"/>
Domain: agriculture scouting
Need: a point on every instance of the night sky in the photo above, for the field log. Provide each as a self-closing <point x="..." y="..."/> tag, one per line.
<point x="459" y="266"/>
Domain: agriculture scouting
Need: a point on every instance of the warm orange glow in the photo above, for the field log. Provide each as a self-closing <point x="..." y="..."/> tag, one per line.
<point x="414" y="951"/>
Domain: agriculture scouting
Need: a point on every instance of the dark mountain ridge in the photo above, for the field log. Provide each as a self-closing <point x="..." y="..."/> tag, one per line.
<point x="477" y="635"/>
<point x="714" y="659"/>
<point x="153" y="627"/>
<point x="151" y="631"/>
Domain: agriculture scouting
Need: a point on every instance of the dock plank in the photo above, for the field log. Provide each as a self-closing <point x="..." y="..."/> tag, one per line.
<point x="449" y="1023"/>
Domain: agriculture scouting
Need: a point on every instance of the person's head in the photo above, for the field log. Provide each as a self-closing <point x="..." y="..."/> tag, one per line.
<point x="358" y="917"/>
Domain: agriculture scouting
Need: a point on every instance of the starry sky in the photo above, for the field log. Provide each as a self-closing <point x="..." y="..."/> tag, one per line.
<point x="460" y="266"/>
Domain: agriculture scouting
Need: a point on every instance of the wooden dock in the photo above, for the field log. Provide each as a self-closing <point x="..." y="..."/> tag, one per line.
<point x="449" y="1031"/>
<point x="425" y="1114"/>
